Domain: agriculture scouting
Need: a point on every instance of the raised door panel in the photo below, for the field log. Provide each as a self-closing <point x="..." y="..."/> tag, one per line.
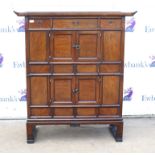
<point x="61" y="90"/>
<point x="61" y="46"/>
<point x="111" y="45"/>
<point x="87" y="94"/>
<point x="38" y="90"/>
<point x="87" y="47"/>
<point x="110" y="86"/>
<point x="38" y="46"/>
<point x="87" y="90"/>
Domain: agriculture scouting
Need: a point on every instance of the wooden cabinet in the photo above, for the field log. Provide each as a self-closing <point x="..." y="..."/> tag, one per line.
<point x="75" y="63"/>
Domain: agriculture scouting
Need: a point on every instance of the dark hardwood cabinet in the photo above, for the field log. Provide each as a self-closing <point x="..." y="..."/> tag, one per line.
<point x="75" y="63"/>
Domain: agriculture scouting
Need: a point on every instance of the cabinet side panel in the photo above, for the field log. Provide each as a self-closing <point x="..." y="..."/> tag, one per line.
<point x="38" y="48"/>
<point x="39" y="90"/>
<point x="111" y="45"/>
<point x="110" y="90"/>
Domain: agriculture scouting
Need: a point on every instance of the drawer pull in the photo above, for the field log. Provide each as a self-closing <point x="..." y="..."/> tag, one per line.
<point x="75" y="22"/>
<point x="110" y="22"/>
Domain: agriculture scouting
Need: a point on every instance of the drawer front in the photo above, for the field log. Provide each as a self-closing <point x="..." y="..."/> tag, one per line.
<point x="63" y="69"/>
<point x="86" y="68"/>
<point x="86" y="112"/>
<point x="75" y="23"/>
<point x="108" y="111"/>
<point x="62" y="112"/>
<point x="110" y="68"/>
<point x="39" y="69"/>
<point x="111" y="23"/>
<point x="40" y="111"/>
<point x="40" y="23"/>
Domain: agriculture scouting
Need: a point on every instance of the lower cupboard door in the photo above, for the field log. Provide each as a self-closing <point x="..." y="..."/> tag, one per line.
<point x="87" y="95"/>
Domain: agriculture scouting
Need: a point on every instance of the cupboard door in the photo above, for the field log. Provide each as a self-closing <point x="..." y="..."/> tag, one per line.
<point x="111" y="45"/>
<point x="87" y="93"/>
<point x="38" y="46"/>
<point x="61" y="46"/>
<point x="61" y="90"/>
<point x="38" y="90"/>
<point x="87" y="90"/>
<point x="87" y="47"/>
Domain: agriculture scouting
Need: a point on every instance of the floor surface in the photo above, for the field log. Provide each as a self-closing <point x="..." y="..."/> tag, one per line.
<point x="139" y="136"/>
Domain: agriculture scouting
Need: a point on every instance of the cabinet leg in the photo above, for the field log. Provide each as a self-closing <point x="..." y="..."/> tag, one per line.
<point x="117" y="131"/>
<point x="31" y="132"/>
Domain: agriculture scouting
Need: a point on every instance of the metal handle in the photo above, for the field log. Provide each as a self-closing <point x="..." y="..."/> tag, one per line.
<point x="77" y="46"/>
<point x="76" y="90"/>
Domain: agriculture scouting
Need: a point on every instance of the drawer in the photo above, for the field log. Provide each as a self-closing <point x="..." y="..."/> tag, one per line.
<point x="111" y="23"/>
<point x="63" y="112"/>
<point x="109" y="68"/>
<point x="40" y="23"/>
<point x="86" y="68"/>
<point x="108" y="111"/>
<point x="63" y="69"/>
<point x="86" y="112"/>
<point x="39" y="69"/>
<point x="40" y="112"/>
<point x="75" y="23"/>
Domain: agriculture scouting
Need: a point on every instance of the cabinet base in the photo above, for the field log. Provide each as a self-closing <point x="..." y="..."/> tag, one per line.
<point x="117" y="131"/>
<point x="74" y="125"/>
<point x="31" y="133"/>
<point x="116" y="127"/>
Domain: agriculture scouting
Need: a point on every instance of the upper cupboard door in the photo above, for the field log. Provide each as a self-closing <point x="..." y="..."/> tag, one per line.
<point x="111" y="45"/>
<point x="38" y="46"/>
<point x="61" y="46"/>
<point x="87" y="46"/>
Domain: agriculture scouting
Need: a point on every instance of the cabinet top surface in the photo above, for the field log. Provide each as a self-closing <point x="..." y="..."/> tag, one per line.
<point x="42" y="14"/>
